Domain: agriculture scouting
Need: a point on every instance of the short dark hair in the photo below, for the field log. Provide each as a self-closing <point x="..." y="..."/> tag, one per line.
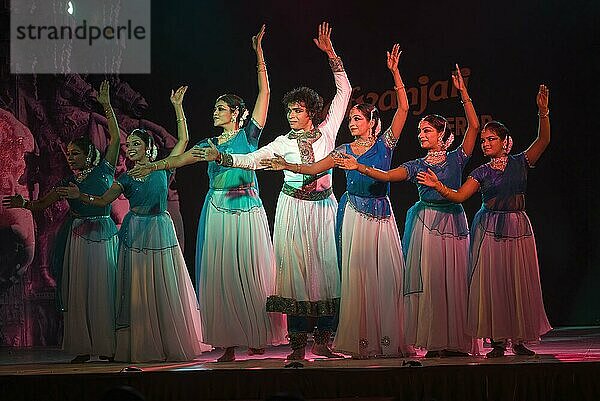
<point x="309" y="98"/>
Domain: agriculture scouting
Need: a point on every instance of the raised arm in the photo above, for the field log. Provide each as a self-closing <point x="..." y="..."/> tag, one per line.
<point x="182" y="131"/>
<point x="402" y="109"/>
<point x="112" y="152"/>
<point x="457" y="196"/>
<point x="279" y="163"/>
<point x="348" y="162"/>
<point x="470" y="137"/>
<point x="72" y="192"/>
<point x="538" y="146"/>
<point x="18" y="201"/>
<point x="337" y="110"/>
<point x="259" y="113"/>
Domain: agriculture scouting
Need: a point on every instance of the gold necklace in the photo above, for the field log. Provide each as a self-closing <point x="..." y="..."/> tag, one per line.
<point x="499" y="163"/>
<point x="82" y="175"/>
<point x="227" y="135"/>
<point x="435" y="157"/>
<point x="367" y="143"/>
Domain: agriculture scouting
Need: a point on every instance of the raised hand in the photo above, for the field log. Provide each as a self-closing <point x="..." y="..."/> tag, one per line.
<point x="428" y="178"/>
<point x="542" y="98"/>
<point x="207" y="153"/>
<point x="257" y="40"/>
<point x="345" y="161"/>
<point x="71" y="191"/>
<point x="276" y="163"/>
<point x="177" y="96"/>
<point x="392" y="58"/>
<point x="457" y="79"/>
<point x="323" y="40"/>
<point x="140" y="170"/>
<point x="13" y="201"/>
<point x="104" y="94"/>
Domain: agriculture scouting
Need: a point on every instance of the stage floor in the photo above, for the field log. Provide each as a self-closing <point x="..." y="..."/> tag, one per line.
<point x="567" y="363"/>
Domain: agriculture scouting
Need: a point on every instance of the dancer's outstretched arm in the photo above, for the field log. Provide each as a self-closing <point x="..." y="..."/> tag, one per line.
<point x="112" y="151"/>
<point x="540" y="143"/>
<point x="349" y="162"/>
<point x="182" y="131"/>
<point x="470" y="137"/>
<point x="459" y="195"/>
<point x="72" y="192"/>
<point x="18" y="201"/>
<point x="402" y="110"/>
<point x="261" y="106"/>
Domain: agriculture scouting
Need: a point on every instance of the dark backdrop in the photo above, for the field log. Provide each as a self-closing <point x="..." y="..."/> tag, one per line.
<point x="509" y="49"/>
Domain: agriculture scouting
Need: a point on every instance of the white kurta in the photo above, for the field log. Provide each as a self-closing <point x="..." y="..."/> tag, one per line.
<point x="308" y="281"/>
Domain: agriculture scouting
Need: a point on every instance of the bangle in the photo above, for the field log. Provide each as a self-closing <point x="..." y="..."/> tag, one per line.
<point x="261" y="66"/>
<point x="298" y="168"/>
<point x="397" y="88"/>
<point x="154" y="166"/>
<point x="166" y="164"/>
<point x="467" y="100"/>
<point x="544" y="115"/>
<point x="336" y="64"/>
<point x="180" y="119"/>
<point x="91" y="198"/>
<point x="444" y="190"/>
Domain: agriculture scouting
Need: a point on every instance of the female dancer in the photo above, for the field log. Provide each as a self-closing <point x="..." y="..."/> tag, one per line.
<point x="436" y="237"/>
<point x="370" y="322"/>
<point x="505" y="297"/>
<point x="85" y="252"/>
<point x="235" y="267"/>
<point x="157" y="316"/>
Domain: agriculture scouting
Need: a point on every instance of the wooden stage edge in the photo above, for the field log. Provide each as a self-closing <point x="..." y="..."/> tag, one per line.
<point x="566" y="367"/>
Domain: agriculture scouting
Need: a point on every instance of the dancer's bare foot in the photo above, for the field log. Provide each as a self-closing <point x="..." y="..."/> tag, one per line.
<point x="228" y="355"/>
<point x="296" y="355"/>
<point x="520" y="349"/>
<point x="255" y="351"/>
<point x="496" y="352"/>
<point x="81" y="358"/>
<point x="323" y="350"/>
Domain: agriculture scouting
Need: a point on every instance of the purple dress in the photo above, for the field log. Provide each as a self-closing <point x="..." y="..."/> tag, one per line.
<point x="505" y="295"/>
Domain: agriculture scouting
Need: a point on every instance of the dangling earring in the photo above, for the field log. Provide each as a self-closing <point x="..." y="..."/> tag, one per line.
<point x="88" y="161"/>
<point x="148" y="153"/>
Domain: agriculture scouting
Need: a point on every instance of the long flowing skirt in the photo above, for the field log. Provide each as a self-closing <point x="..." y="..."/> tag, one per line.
<point x="237" y="273"/>
<point x="505" y="297"/>
<point x="88" y="288"/>
<point x="371" y="306"/>
<point x="435" y="318"/>
<point x="308" y="279"/>
<point x="157" y="311"/>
